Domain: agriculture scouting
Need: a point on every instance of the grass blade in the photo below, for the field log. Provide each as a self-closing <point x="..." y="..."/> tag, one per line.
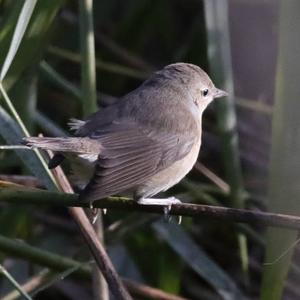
<point x="34" y="41"/>
<point x="11" y="132"/>
<point x="48" y="125"/>
<point x="88" y="64"/>
<point x="89" y="105"/>
<point x="59" y="80"/>
<point x="14" y="283"/>
<point x="219" y="52"/>
<point x="284" y="193"/>
<point x="21" y="26"/>
<point x="100" y="64"/>
<point x="198" y="260"/>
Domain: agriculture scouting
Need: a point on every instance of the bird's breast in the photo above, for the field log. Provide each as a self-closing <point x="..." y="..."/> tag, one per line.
<point x="168" y="177"/>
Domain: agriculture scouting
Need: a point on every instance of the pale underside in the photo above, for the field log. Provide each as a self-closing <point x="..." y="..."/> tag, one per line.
<point x="84" y="166"/>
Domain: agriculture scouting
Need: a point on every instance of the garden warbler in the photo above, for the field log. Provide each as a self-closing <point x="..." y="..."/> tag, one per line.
<point x="144" y="143"/>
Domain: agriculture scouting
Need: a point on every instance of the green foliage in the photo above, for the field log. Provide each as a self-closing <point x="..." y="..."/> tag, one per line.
<point x="284" y="175"/>
<point x="34" y="40"/>
<point x="49" y="71"/>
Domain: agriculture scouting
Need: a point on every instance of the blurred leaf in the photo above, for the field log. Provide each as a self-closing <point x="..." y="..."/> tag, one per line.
<point x="59" y="81"/>
<point x="24" y="95"/>
<point x="106" y="66"/>
<point x="14" y="221"/>
<point x="219" y="53"/>
<point x="11" y="132"/>
<point x="39" y="168"/>
<point x="87" y="54"/>
<point x="21" y="26"/>
<point x="8" y="24"/>
<point x="284" y="193"/>
<point x="48" y="125"/>
<point x="198" y="260"/>
<point x="168" y="268"/>
<point x="122" y="228"/>
<point x="14" y="282"/>
<point x="124" y="262"/>
<point x="34" y="40"/>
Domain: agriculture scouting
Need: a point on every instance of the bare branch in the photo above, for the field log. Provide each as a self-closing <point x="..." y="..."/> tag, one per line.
<point x="149" y="292"/>
<point x="59" y="263"/>
<point x="31" y="181"/>
<point x="101" y="257"/>
<point x="30" y="285"/>
<point x="11" y="193"/>
<point x="224" y="186"/>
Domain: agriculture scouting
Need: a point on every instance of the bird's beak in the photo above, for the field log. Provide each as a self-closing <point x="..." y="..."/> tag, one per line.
<point x="219" y="93"/>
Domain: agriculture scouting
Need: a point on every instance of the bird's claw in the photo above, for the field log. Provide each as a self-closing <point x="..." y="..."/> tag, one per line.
<point x="166" y="203"/>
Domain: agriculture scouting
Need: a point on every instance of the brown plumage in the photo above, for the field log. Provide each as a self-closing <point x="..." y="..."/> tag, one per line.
<point x="147" y="141"/>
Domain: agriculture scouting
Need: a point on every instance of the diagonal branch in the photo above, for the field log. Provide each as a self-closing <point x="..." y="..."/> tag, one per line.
<point x="82" y="270"/>
<point x="101" y="257"/>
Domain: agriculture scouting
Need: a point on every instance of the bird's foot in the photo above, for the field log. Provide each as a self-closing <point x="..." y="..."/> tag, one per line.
<point x="165" y="202"/>
<point x="95" y="212"/>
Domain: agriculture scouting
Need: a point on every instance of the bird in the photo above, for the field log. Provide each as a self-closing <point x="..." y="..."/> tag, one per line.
<point x="143" y="144"/>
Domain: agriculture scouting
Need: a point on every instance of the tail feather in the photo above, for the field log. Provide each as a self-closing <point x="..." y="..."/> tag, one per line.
<point x="75" y="124"/>
<point x="56" y="160"/>
<point x="70" y="144"/>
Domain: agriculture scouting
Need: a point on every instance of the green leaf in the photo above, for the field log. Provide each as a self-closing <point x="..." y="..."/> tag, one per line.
<point x="11" y="132"/>
<point x="59" y="80"/>
<point x="284" y="193"/>
<point x="34" y="40"/>
<point x="217" y="24"/>
<point x="168" y="267"/>
<point x="88" y="62"/>
<point x="37" y="165"/>
<point x="198" y="260"/>
<point x="21" y="26"/>
<point x="49" y="126"/>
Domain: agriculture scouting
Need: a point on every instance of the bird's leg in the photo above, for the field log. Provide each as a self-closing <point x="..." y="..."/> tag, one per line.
<point x="95" y="215"/>
<point x="96" y="211"/>
<point x="165" y="202"/>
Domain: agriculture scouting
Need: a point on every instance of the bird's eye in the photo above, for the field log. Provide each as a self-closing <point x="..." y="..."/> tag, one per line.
<point x="204" y="92"/>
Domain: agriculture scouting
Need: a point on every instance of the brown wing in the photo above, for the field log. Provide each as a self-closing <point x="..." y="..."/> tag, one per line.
<point x="131" y="154"/>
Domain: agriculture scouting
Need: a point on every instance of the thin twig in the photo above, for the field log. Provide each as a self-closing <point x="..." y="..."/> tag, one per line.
<point x="14" y="283"/>
<point x="56" y="78"/>
<point x="15" y="248"/>
<point x="152" y="293"/>
<point x="48" y="125"/>
<point x="26" y="180"/>
<point x="255" y="105"/>
<point x="213" y="177"/>
<point x="118" y="50"/>
<point x="30" y="285"/>
<point x="54" y="221"/>
<point x="123" y="53"/>
<point x="105" y="66"/>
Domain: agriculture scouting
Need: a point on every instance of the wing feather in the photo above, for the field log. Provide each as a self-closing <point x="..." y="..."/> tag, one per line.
<point x="130" y="155"/>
